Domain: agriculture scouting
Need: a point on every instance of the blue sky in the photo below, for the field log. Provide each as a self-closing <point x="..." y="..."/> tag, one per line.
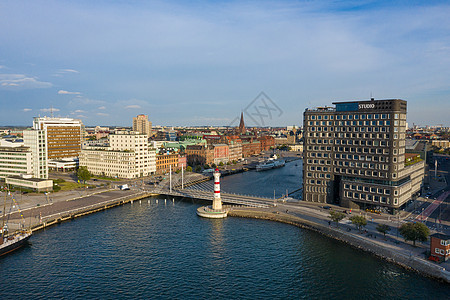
<point x="201" y="63"/>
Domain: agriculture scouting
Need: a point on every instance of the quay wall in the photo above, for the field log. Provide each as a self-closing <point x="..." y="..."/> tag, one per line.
<point x="82" y="211"/>
<point x="411" y="263"/>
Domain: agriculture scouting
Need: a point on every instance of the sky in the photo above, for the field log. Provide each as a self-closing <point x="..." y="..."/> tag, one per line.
<point x="189" y="63"/>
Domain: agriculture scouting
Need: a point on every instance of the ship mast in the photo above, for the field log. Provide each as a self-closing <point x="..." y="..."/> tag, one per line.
<point x="3" y="218"/>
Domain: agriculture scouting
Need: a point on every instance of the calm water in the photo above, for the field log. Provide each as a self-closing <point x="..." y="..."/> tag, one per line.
<point x="263" y="183"/>
<point x="152" y="251"/>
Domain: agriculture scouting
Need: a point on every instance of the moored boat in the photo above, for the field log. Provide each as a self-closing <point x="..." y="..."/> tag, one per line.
<point x="271" y="163"/>
<point x="12" y="241"/>
<point x="9" y="243"/>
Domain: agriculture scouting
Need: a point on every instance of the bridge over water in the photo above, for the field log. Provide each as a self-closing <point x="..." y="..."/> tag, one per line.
<point x="229" y="198"/>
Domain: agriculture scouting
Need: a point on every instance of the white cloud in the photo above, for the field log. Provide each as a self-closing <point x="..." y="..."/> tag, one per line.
<point x="63" y="92"/>
<point x="102" y="114"/>
<point x="69" y="71"/>
<point x="79" y="111"/>
<point x="22" y="82"/>
<point x="26" y="109"/>
<point x="134" y="106"/>
<point x="81" y="100"/>
<point x="49" y="109"/>
<point x="102" y="107"/>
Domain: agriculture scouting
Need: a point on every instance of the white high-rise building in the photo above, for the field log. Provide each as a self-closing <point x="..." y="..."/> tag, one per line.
<point x="36" y="141"/>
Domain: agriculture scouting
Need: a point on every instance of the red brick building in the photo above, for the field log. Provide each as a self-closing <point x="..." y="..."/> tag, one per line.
<point x="199" y="155"/>
<point x="267" y="142"/>
<point x="251" y="148"/>
<point x="221" y="153"/>
<point x="440" y="246"/>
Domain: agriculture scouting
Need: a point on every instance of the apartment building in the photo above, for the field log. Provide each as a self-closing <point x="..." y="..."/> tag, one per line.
<point x="142" y="125"/>
<point x="127" y="156"/>
<point x="354" y="155"/>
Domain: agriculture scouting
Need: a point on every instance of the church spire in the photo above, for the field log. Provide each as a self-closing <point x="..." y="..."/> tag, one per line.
<point x="242" y="125"/>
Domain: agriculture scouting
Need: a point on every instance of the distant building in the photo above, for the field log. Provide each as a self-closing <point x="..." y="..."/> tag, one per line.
<point x="199" y="155"/>
<point x="142" y="125"/>
<point x="221" y="153"/>
<point x="235" y="151"/>
<point x="267" y="142"/>
<point x="251" y="148"/>
<point x="441" y="144"/>
<point x="64" y="136"/>
<point x="354" y="155"/>
<point x="166" y="162"/>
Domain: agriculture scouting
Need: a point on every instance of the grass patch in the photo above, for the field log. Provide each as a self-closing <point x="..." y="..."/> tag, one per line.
<point x="408" y="163"/>
<point x="68" y="186"/>
<point x="106" y="178"/>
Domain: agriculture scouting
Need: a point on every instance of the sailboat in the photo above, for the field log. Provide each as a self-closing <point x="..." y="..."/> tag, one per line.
<point x="10" y="242"/>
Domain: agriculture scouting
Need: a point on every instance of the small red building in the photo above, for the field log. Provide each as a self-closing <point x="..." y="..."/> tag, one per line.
<point x="440" y="246"/>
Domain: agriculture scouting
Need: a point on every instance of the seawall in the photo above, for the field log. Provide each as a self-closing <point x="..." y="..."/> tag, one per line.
<point x="408" y="262"/>
<point x="86" y="210"/>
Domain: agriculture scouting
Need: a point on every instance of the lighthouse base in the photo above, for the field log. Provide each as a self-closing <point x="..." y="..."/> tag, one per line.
<point x="208" y="212"/>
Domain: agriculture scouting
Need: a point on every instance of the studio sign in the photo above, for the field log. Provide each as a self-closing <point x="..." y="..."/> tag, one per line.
<point x="368" y="105"/>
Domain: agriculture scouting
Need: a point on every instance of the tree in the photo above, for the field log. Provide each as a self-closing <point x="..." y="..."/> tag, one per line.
<point x="83" y="174"/>
<point x="207" y="167"/>
<point x="198" y="168"/>
<point x="414" y="232"/>
<point x="188" y="169"/>
<point x="383" y="228"/>
<point x="213" y="166"/>
<point x="336" y="216"/>
<point x="358" y="221"/>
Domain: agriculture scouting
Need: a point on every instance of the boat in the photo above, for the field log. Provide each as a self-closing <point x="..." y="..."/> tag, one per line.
<point x="12" y="241"/>
<point x="271" y="163"/>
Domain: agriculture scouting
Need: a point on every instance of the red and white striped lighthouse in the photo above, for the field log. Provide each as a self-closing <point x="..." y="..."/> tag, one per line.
<point x="217" y="202"/>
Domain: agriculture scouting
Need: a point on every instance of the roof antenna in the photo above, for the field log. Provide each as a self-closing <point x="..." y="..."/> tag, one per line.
<point x="371" y="97"/>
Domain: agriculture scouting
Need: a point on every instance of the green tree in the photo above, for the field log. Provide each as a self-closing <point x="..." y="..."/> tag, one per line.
<point x="336" y="216"/>
<point x="383" y="228"/>
<point x="358" y="221"/>
<point x="198" y="168"/>
<point x="83" y="174"/>
<point x="221" y="164"/>
<point x="213" y="166"/>
<point x="188" y="169"/>
<point x="414" y="232"/>
<point x="207" y="166"/>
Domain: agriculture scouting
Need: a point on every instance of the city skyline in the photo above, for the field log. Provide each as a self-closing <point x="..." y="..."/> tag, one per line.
<point x="202" y="64"/>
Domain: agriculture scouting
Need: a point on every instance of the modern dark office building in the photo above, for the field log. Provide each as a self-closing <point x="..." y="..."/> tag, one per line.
<point x="354" y="155"/>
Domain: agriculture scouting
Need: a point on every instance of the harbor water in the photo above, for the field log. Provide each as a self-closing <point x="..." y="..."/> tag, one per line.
<point x="150" y="250"/>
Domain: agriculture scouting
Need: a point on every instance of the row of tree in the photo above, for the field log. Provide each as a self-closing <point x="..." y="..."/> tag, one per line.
<point x="410" y="231"/>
